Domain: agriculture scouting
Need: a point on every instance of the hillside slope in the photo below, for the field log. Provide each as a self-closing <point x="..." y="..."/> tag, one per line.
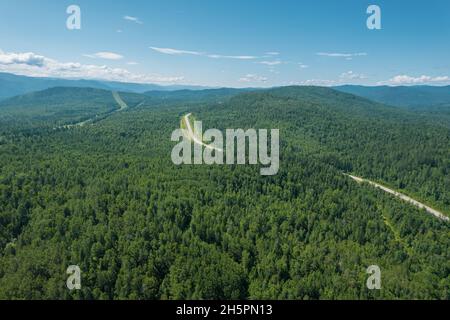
<point x="415" y="97"/>
<point x="109" y="199"/>
<point x="60" y="105"/>
<point x="13" y="85"/>
<point x="401" y="148"/>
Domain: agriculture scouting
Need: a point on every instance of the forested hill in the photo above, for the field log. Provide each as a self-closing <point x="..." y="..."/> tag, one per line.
<point x="59" y="106"/>
<point x="379" y="142"/>
<point x="190" y="96"/>
<point x="108" y="198"/>
<point x="13" y="85"/>
<point x="415" y="97"/>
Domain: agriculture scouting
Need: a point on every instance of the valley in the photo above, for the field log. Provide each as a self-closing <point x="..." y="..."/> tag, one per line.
<point x="213" y="158"/>
<point x="122" y="106"/>
<point x="109" y="199"/>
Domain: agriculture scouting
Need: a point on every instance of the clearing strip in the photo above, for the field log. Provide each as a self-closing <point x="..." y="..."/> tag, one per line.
<point x="402" y="196"/>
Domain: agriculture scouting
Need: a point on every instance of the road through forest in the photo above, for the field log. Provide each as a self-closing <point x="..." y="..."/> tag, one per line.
<point x="414" y="202"/>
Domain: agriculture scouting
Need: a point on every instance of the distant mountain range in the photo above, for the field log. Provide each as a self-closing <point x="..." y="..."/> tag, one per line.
<point x="206" y="95"/>
<point x="416" y="97"/>
<point x="13" y="85"/>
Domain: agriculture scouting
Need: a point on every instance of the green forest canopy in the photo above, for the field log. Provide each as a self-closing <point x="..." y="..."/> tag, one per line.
<point x="106" y="197"/>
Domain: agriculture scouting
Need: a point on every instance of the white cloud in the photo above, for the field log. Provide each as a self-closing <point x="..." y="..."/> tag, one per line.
<point x="341" y="55"/>
<point x="172" y="51"/>
<point x="270" y="63"/>
<point x="26" y="58"/>
<point x="31" y="64"/>
<point x="105" y="55"/>
<point x="302" y="66"/>
<point x="424" y="79"/>
<point x="175" y="51"/>
<point x="132" y="63"/>
<point x="219" y="56"/>
<point x="133" y="19"/>
<point x="350" y="75"/>
<point x="272" y="53"/>
<point x="315" y="82"/>
<point x="253" y="78"/>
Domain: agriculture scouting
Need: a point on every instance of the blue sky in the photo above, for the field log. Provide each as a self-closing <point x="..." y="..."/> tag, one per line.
<point x="236" y="43"/>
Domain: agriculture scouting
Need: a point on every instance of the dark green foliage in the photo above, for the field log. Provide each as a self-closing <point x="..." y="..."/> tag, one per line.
<point x="196" y="96"/>
<point x="59" y="106"/>
<point x="414" y="97"/>
<point x="107" y="197"/>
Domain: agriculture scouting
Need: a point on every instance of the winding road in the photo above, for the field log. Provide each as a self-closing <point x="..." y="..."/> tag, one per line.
<point x="191" y="136"/>
<point x="122" y="106"/>
<point x="119" y="101"/>
<point x="416" y="203"/>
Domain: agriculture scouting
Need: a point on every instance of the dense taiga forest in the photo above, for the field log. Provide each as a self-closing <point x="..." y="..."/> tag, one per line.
<point x="106" y="196"/>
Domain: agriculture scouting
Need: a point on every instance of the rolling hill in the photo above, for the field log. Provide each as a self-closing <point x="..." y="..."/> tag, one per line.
<point x="13" y="85"/>
<point x="59" y="106"/>
<point x="415" y="97"/>
<point x="206" y="95"/>
<point x="108" y="198"/>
